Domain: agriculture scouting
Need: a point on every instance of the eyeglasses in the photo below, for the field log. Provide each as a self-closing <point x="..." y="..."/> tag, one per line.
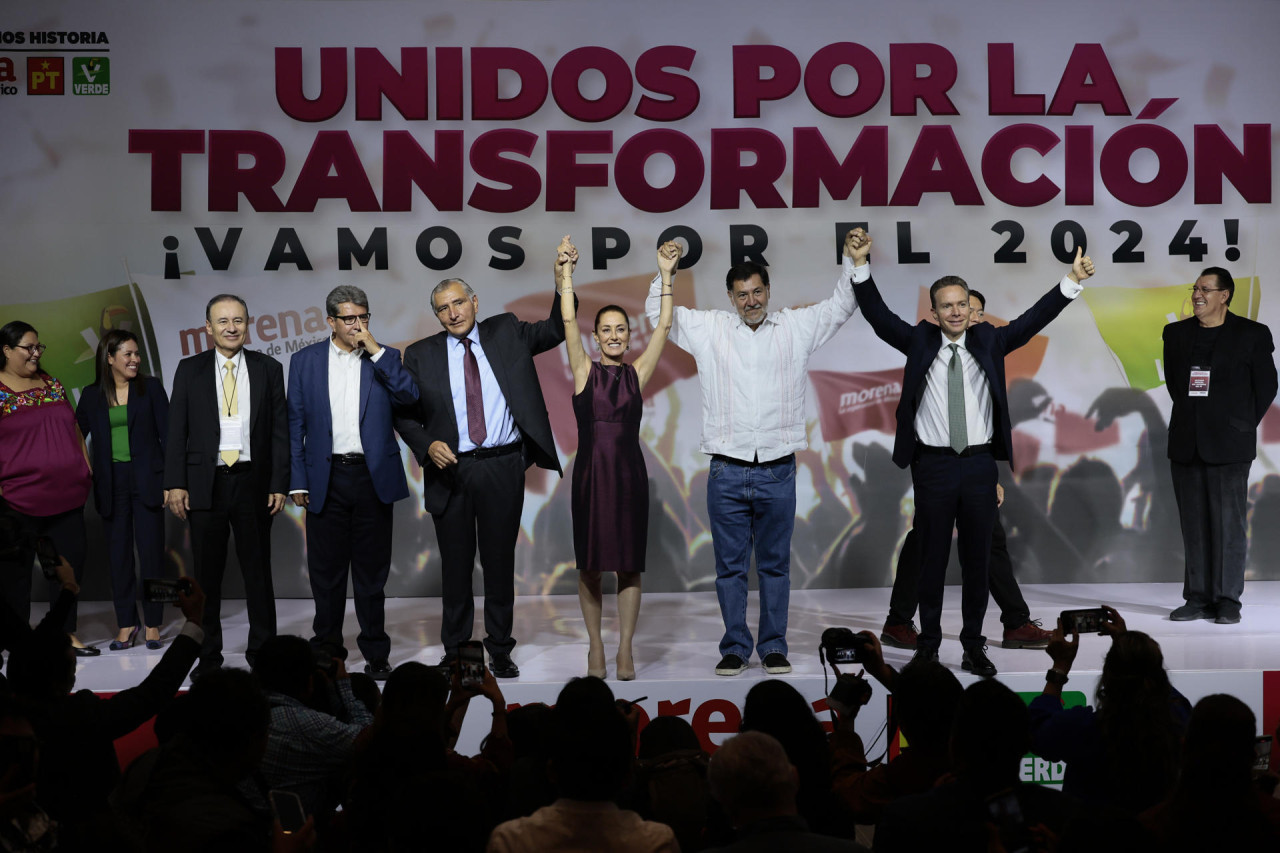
<point x="34" y="349"/>
<point x="1195" y="290"/>
<point x="350" y="319"/>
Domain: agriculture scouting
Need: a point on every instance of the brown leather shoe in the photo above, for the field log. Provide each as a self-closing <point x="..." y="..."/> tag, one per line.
<point x="1028" y="635"/>
<point x="900" y="636"/>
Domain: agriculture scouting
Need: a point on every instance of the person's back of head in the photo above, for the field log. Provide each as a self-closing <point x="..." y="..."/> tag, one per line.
<point x="591" y="755"/>
<point x="667" y="734"/>
<point x="990" y="734"/>
<point x="1135" y="713"/>
<point x="1218" y="750"/>
<point x="285" y="664"/>
<point x="752" y="778"/>
<point x="226" y="720"/>
<point x="529" y="729"/>
<point x="414" y="696"/>
<point x="365" y="688"/>
<point x="779" y="710"/>
<point x="925" y="697"/>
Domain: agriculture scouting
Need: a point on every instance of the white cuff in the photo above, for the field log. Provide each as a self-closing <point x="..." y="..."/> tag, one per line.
<point x="857" y="274"/>
<point x="1070" y="288"/>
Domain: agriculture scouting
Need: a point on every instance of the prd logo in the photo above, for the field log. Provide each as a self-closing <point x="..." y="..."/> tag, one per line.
<point x="44" y="75"/>
<point x="91" y="75"/>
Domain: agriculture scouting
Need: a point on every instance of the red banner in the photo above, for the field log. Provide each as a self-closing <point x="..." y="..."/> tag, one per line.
<point x="849" y="403"/>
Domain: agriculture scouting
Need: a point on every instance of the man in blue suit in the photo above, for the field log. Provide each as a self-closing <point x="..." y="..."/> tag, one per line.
<point x="953" y="424"/>
<point x="345" y="469"/>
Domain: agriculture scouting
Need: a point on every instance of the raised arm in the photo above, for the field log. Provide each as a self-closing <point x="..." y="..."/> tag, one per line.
<point x="888" y="326"/>
<point x="668" y="260"/>
<point x="579" y="361"/>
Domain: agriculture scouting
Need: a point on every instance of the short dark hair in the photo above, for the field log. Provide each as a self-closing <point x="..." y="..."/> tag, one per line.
<point x="224" y="712"/>
<point x="947" y="281"/>
<point x="606" y="309"/>
<point x="1225" y="281"/>
<point x="743" y="272"/>
<point x="285" y="664"/>
<point x="991" y="732"/>
<point x="973" y="294"/>
<point x="592" y="753"/>
<point x="11" y="334"/>
<point x="223" y="297"/>
<point x="345" y="293"/>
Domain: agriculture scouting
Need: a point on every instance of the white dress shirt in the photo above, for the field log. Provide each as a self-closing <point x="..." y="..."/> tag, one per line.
<point x="500" y="425"/>
<point x="242" y="397"/>
<point x="932" y="417"/>
<point x="754" y="383"/>
<point x="344" y="397"/>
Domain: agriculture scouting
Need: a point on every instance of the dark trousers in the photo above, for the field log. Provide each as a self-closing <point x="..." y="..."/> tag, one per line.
<point x="1014" y="612"/>
<point x="484" y="510"/>
<point x="132" y="521"/>
<point x="66" y="529"/>
<point x="960" y="493"/>
<point x="241" y="509"/>
<point x="352" y="535"/>
<point x="1213" y="505"/>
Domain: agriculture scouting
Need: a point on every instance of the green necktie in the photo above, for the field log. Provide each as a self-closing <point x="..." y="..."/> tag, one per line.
<point x="956" y="420"/>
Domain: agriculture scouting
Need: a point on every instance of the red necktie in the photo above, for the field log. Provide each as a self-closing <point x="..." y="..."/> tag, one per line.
<point x="475" y="399"/>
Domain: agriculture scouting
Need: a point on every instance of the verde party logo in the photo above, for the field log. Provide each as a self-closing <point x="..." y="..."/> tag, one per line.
<point x="91" y="75"/>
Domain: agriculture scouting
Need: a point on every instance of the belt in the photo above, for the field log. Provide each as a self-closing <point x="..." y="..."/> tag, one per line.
<point x="347" y="458"/>
<point x="489" y="452"/>
<point x="238" y="468"/>
<point x="755" y="463"/>
<point x="971" y="450"/>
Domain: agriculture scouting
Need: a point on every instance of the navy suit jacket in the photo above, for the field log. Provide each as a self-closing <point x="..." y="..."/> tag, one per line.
<point x="191" y="454"/>
<point x="383" y="385"/>
<point x="510" y="345"/>
<point x="1223" y="427"/>
<point x="986" y="343"/>
<point x="148" y="418"/>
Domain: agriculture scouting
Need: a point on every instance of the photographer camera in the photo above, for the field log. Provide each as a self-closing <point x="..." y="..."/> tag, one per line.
<point x="1136" y="712"/>
<point x="925" y="697"/>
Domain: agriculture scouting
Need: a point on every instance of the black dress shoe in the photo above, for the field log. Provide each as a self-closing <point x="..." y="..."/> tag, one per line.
<point x="502" y="666"/>
<point x="448" y="661"/>
<point x="86" y="651"/>
<point x="975" y="660"/>
<point x="378" y="670"/>
<point x="204" y="668"/>
<point x="924" y="654"/>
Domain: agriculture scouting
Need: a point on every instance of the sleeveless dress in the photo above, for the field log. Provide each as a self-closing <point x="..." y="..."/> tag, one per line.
<point x="610" y="482"/>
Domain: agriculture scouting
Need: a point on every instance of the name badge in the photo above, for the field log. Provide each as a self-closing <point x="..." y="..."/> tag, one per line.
<point x="229" y="435"/>
<point x="1199" y="385"/>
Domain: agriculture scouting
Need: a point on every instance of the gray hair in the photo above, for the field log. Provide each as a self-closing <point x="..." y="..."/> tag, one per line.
<point x="750" y="773"/>
<point x="345" y="293"/>
<point x="439" y="288"/>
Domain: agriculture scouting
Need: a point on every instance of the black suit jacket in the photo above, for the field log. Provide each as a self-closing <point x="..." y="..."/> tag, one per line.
<point x="191" y="454"/>
<point x="1223" y="427"/>
<point x="148" y="417"/>
<point x="986" y="343"/>
<point x="510" y="345"/>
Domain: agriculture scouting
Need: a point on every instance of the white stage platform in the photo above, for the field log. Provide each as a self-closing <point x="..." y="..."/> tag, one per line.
<point x="676" y="646"/>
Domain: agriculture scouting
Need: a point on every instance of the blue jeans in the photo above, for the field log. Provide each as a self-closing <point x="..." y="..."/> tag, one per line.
<point x="752" y="508"/>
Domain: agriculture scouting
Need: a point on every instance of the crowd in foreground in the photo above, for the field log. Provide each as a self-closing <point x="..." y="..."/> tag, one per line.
<point x="300" y="755"/>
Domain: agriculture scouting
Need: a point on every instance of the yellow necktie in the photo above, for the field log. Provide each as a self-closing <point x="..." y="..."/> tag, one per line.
<point x="229" y="395"/>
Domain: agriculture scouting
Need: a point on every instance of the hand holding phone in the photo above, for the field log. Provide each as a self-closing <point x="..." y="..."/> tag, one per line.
<point x="288" y="810"/>
<point x="1087" y="621"/>
<point x="471" y="665"/>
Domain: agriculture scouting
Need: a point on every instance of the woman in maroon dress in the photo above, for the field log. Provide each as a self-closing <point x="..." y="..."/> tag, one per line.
<point x="610" y="484"/>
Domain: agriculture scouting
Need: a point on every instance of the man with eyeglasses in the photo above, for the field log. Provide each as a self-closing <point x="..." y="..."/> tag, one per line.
<point x="345" y="469"/>
<point x="752" y="366"/>
<point x="227" y="468"/>
<point x="480" y="421"/>
<point x="1220" y="372"/>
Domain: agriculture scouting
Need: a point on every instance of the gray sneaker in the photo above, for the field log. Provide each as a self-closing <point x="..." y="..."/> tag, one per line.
<point x="730" y="665"/>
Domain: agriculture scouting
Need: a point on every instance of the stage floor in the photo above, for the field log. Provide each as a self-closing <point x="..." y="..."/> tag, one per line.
<point x="679" y="632"/>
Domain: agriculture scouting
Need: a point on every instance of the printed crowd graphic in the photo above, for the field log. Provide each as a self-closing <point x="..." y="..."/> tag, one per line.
<point x="392" y="145"/>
